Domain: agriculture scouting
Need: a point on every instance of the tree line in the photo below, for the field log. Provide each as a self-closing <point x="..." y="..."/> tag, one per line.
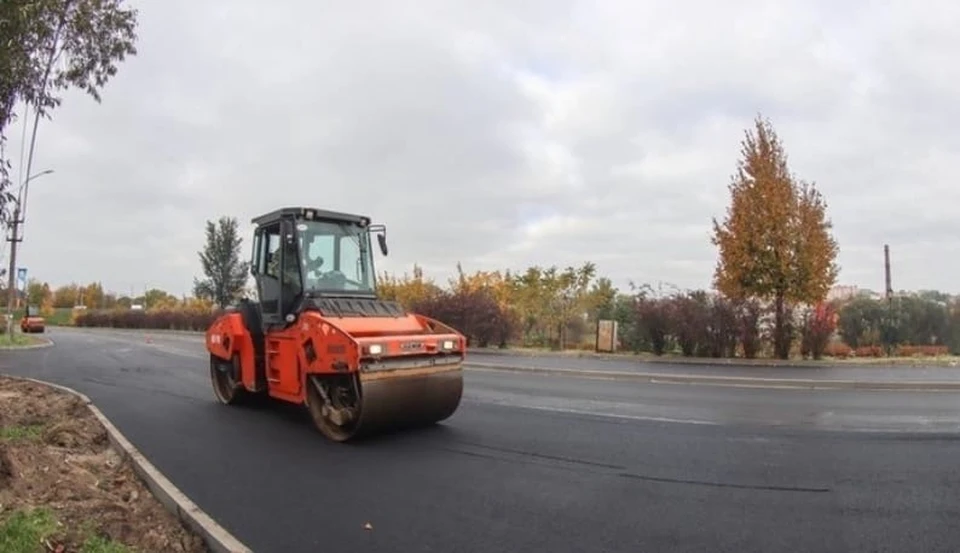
<point x="559" y="308"/>
<point x="92" y="296"/>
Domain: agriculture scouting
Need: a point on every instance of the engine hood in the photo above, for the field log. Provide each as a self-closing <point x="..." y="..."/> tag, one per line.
<point x="369" y="317"/>
<point x="361" y="327"/>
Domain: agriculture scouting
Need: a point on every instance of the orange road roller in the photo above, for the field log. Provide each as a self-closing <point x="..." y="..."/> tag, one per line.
<point x="320" y="335"/>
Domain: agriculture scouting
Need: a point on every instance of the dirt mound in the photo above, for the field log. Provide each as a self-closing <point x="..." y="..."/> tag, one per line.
<point x="77" y="435"/>
<point x="54" y="454"/>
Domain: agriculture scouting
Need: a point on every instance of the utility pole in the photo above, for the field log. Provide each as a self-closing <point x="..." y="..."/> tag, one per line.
<point x="11" y="271"/>
<point x="891" y="322"/>
<point x="886" y="272"/>
<point x="14" y="239"/>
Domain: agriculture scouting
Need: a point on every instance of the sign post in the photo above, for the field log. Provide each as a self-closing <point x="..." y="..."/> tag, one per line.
<point x="607" y="336"/>
<point x="21" y="282"/>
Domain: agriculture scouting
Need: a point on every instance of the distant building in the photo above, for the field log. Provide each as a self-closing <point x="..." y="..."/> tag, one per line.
<point x="847" y="292"/>
<point x="843" y="293"/>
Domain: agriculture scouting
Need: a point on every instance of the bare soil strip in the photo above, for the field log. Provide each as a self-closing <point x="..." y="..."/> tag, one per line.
<point x="63" y="489"/>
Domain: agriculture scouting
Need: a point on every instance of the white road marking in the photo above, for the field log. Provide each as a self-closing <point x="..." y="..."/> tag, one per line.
<point x="609" y="415"/>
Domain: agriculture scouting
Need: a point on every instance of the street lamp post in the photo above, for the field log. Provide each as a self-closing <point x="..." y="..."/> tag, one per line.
<point x="14" y="239"/>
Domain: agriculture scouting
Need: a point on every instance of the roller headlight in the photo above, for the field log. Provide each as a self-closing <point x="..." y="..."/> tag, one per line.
<point x="448" y="344"/>
<point x="375" y="349"/>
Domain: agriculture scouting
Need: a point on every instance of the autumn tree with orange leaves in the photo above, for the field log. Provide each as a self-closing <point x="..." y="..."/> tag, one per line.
<point x="407" y="290"/>
<point x="775" y="243"/>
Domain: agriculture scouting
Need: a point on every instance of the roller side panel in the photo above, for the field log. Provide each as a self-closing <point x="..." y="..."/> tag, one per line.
<point x="322" y="347"/>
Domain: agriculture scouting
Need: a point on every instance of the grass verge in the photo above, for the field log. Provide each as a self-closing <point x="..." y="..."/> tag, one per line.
<point x="19" y="339"/>
<point x="32" y="530"/>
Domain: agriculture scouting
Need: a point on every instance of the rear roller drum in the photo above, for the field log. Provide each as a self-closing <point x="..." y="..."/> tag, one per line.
<point x="224" y="376"/>
<point x="344" y="407"/>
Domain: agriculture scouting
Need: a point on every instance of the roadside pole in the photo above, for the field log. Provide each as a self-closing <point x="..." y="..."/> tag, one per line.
<point x="14" y="239"/>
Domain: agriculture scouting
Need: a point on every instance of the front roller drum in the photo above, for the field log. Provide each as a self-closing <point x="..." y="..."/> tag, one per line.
<point x="388" y="400"/>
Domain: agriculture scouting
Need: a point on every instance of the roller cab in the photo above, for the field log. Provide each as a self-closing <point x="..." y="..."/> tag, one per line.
<point x="319" y="334"/>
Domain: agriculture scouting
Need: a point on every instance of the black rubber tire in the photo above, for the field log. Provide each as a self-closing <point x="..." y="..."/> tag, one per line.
<point x="227" y="389"/>
<point x="329" y="430"/>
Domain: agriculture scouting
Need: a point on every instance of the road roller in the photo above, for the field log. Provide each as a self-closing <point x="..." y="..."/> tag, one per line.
<point x="320" y="335"/>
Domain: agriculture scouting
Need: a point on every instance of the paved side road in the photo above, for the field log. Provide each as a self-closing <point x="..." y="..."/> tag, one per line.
<point x="502" y="476"/>
<point x="875" y="373"/>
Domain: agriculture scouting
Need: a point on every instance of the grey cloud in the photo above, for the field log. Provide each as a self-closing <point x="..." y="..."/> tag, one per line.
<point x="463" y="128"/>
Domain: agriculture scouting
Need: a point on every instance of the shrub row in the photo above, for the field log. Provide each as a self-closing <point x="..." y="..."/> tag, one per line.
<point x="704" y="325"/>
<point x="476" y="314"/>
<point x="842" y="350"/>
<point x="691" y="324"/>
<point x="162" y="319"/>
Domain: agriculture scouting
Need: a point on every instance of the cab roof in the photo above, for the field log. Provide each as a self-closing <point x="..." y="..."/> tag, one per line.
<point x="303" y="212"/>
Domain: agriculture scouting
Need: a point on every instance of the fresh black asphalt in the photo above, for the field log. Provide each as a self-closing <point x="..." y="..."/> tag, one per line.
<point x="539" y="463"/>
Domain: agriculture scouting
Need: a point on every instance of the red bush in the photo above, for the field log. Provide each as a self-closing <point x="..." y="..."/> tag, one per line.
<point x="653" y="316"/>
<point x="842" y="350"/>
<point x="838" y="350"/>
<point x="921" y="351"/>
<point x="869" y="351"/>
<point x="817" y="328"/>
<point x="475" y="313"/>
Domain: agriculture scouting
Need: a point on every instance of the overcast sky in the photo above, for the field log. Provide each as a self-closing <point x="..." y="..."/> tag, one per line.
<point x="505" y="133"/>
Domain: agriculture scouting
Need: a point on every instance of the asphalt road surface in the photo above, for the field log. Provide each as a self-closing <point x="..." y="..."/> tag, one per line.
<point x="541" y="463"/>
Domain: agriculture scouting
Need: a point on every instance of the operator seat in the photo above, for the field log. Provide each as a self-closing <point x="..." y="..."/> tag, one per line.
<point x="291" y="295"/>
<point x="291" y="287"/>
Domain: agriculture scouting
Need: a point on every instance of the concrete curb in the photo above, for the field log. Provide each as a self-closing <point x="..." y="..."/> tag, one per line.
<point x="733" y="381"/>
<point x="47" y="342"/>
<point x="218" y="539"/>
